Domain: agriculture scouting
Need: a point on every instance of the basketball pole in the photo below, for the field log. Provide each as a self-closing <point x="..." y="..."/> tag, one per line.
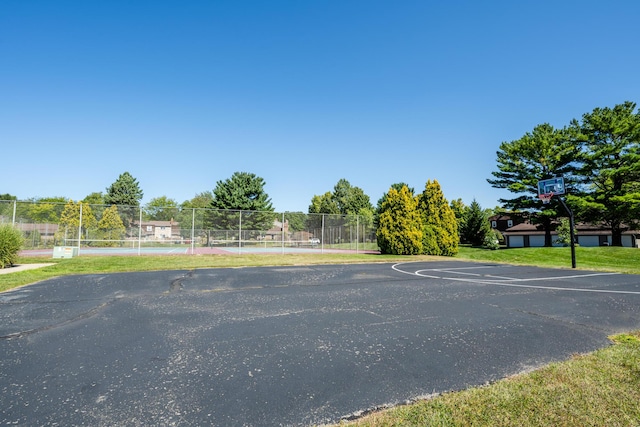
<point x="571" y="234"/>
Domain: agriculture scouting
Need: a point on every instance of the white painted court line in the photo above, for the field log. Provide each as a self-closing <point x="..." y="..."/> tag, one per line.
<point x="505" y="280"/>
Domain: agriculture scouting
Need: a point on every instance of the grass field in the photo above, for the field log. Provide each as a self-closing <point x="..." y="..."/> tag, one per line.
<point x="597" y="389"/>
<point x="621" y="260"/>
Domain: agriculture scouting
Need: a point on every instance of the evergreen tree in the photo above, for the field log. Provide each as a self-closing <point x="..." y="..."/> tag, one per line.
<point x="399" y="224"/>
<point x="397" y="186"/>
<point x="476" y="225"/>
<point x="611" y="168"/>
<point x="243" y="198"/>
<point x="440" y="228"/>
<point x="544" y="153"/>
<point x="564" y="232"/>
<point x="126" y="193"/>
<point x="460" y="210"/>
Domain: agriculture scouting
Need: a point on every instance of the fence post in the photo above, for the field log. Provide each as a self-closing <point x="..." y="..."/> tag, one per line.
<point x="193" y="231"/>
<point x="13" y="222"/>
<point x="357" y="231"/>
<point x="139" y="229"/>
<point x="240" y="233"/>
<point x="282" y="233"/>
<point x="322" y="234"/>
<point x="79" y="227"/>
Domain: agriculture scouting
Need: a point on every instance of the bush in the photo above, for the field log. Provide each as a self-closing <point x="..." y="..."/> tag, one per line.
<point x="492" y="240"/>
<point x="10" y="244"/>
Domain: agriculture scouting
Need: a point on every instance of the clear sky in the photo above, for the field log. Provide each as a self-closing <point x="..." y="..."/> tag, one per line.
<point x="182" y="94"/>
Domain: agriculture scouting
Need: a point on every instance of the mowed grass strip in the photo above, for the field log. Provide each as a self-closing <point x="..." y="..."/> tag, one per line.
<point x="616" y="259"/>
<point x="598" y="389"/>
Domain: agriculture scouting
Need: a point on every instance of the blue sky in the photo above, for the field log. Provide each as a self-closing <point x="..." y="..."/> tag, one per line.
<point x="302" y="93"/>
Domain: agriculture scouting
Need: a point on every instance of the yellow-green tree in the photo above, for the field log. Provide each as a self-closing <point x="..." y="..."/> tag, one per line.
<point x="399" y="224"/>
<point x="111" y="226"/>
<point x="440" y="226"/>
<point x="70" y="220"/>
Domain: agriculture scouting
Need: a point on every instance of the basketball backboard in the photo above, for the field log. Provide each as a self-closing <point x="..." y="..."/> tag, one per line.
<point x="551" y="185"/>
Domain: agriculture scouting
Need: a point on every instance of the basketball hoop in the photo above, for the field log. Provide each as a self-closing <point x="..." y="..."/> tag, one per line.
<point x="546" y="197"/>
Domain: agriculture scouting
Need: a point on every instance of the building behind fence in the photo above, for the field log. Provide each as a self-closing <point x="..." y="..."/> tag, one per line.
<point x="46" y="225"/>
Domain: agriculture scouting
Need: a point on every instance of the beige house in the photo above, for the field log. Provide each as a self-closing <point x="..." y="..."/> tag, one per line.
<point x="160" y="230"/>
<point x="277" y="231"/>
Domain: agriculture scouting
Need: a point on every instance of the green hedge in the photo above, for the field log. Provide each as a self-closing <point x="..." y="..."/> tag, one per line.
<point x="10" y="244"/>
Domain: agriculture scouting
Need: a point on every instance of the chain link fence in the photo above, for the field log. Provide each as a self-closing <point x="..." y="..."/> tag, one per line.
<point x="47" y="225"/>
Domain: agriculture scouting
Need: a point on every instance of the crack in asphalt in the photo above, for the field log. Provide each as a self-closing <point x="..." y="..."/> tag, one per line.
<point x="176" y="285"/>
<point x="81" y="316"/>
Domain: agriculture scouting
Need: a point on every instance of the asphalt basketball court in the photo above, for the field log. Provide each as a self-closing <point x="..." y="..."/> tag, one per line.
<point x="298" y="345"/>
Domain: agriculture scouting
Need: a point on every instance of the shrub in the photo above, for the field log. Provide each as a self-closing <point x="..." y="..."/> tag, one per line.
<point x="492" y="240"/>
<point x="564" y="232"/>
<point x="10" y="243"/>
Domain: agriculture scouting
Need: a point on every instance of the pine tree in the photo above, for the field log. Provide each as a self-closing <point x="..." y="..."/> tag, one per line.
<point x="543" y="153"/>
<point x="440" y="227"/>
<point x="125" y="192"/>
<point x="611" y="167"/>
<point x="476" y="226"/>
<point x="241" y="201"/>
<point x="399" y="227"/>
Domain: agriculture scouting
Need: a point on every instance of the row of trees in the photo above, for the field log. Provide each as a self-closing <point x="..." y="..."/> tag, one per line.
<point x="217" y="209"/>
<point x="80" y="218"/>
<point x="109" y="216"/>
<point x="599" y="157"/>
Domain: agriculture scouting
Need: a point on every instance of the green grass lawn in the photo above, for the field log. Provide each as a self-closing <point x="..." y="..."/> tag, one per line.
<point x="597" y="389"/>
<point x="622" y="260"/>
